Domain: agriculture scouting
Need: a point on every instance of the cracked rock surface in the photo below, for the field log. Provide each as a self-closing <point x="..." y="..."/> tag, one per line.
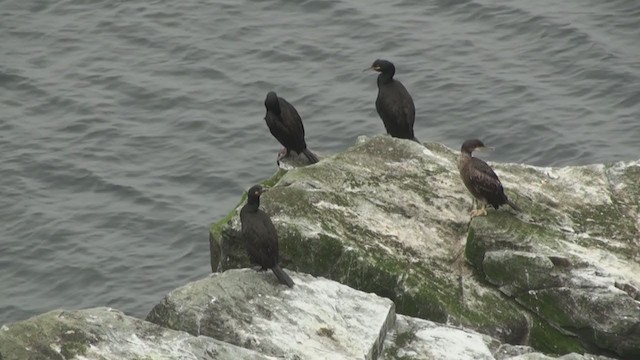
<point x="316" y="319"/>
<point x="107" y="334"/>
<point x="392" y="217"/>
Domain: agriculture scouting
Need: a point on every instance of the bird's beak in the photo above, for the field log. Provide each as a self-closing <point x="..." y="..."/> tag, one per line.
<point x="264" y="190"/>
<point x="368" y="69"/>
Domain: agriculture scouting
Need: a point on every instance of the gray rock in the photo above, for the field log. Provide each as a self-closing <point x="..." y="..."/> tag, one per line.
<point x="575" y="262"/>
<point x="107" y="334"/>
<point x="316" y="319"/>
<point x="391" y="217"/>
<point x="418" y="339"/>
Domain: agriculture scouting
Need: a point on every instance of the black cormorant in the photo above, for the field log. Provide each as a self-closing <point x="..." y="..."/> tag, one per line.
<point x="394" y="103"/>
<point x="260" y="236"/>
<point x="286" y="126"/>
<point x="480" y="179"/>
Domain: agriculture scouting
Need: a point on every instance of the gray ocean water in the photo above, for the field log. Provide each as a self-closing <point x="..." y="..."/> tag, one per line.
<point x="128" y="127"/>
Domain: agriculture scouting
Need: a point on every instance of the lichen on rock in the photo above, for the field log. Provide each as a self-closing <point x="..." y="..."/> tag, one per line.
<point x="106" y="334"/>
<point x="572" y="259"/>
<point x="392" y="217"/>
<point x="316" y="319"/>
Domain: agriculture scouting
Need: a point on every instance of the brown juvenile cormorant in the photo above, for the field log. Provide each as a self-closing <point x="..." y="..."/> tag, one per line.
<point x="286" y="126"/>
<point x="394" y="103"/>
<point x="260" y="236"/>
<point x="480" y="179"/>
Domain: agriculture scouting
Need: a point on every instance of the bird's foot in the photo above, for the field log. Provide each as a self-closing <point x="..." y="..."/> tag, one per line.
<point x="479" y="212"/>
<point x="283" y="153"/>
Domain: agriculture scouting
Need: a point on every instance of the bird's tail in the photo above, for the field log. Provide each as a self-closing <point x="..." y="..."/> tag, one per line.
<point x="282" y="276"/>
<point x="514" y="206"/>
<point x="416" y="140"/>
<point x="311" y="156"/>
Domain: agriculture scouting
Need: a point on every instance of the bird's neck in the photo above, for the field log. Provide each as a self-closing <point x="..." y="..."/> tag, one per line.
<point x="253" y="204"/>
<point x="385" y="78"/>
<point x="463" y="159"/>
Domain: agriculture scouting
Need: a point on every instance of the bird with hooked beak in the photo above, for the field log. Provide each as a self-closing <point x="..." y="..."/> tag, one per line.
<point x="261" y="237"/>
<point x="394" y="103"/>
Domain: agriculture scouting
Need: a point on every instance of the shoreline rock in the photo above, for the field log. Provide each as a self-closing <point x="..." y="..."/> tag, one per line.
<point x="391" y="217"/>
<point x="388" y="220"/>
<point x="244" y="314"/>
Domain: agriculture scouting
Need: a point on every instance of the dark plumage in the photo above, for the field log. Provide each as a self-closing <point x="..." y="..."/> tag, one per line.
<point x="286" y="126"/>
<point x="394" y="103"/>
<point x="481" y="181"/>
<point x="261" y="236"/>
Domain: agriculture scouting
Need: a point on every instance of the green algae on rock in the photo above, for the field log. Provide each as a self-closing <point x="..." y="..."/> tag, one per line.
<point x="316" y="319"/>
<point x="574" y="259"/>
<point x="104" y="333"/>
<point x="390" y="216"/>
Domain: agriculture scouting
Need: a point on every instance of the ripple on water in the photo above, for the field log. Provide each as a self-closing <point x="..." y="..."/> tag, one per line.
<point x="127" y="128"/>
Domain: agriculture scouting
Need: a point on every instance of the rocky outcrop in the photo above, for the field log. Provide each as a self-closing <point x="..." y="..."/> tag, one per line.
<point x="317" y="319"/>
<point x="418" y="339"/>
<point x="107" y="334"/>
<point x="391" y="217"/>
<point x="244" y="314"/>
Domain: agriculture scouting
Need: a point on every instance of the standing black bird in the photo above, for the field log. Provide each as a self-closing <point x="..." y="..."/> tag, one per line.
<point x="480" y="179"/>
<point x="394" y="103"/>
<point x="286" y="126"/>
<point x="260" y="236"/>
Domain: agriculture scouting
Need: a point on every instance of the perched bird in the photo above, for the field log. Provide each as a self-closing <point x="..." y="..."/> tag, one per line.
<point x="286" y="126"/>
<point x="480" y="179"/>
<point x="260" y="236"/>
<point x="394" y="103"/>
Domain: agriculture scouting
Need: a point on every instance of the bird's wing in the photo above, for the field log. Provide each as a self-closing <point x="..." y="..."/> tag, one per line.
<point x="291" y="117"/>
<point x="484" y="179"/>
<point x="261" y="238"/>
<point x="397" y="106"/>
<point x="408" y="106"/>
<point x="278" y="128"/>
<point x="271" y="238"/>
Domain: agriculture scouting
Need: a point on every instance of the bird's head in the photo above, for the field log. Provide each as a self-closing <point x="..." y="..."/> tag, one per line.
<point x="382" y="66"/>
<point x="472" y="145"/>
<point x="256" y="191"/>
<point x="271" y="102"/>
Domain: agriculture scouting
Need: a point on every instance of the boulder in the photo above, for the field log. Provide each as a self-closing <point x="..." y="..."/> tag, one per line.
<point x="248" y="315"/>
<point x="575" y="261"/>
<point x="418" y="339"/>
<point x="316" y="319"/>
<point x="391" y="217"/>
<point x="107" y="334"/>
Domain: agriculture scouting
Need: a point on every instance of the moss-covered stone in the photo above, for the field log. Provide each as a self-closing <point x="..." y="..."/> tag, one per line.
<point x="562" y="258"/>
<point x="251" y="309"/>
<point x="387" y="216"/>
<point x="54" y="335"/>
<point x="391" y="217"/>
<point x="103" y="333"/>
<point x="503" y="268"/>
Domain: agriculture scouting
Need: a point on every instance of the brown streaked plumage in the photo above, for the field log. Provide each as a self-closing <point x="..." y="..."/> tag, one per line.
<point x="481" y="181"/>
